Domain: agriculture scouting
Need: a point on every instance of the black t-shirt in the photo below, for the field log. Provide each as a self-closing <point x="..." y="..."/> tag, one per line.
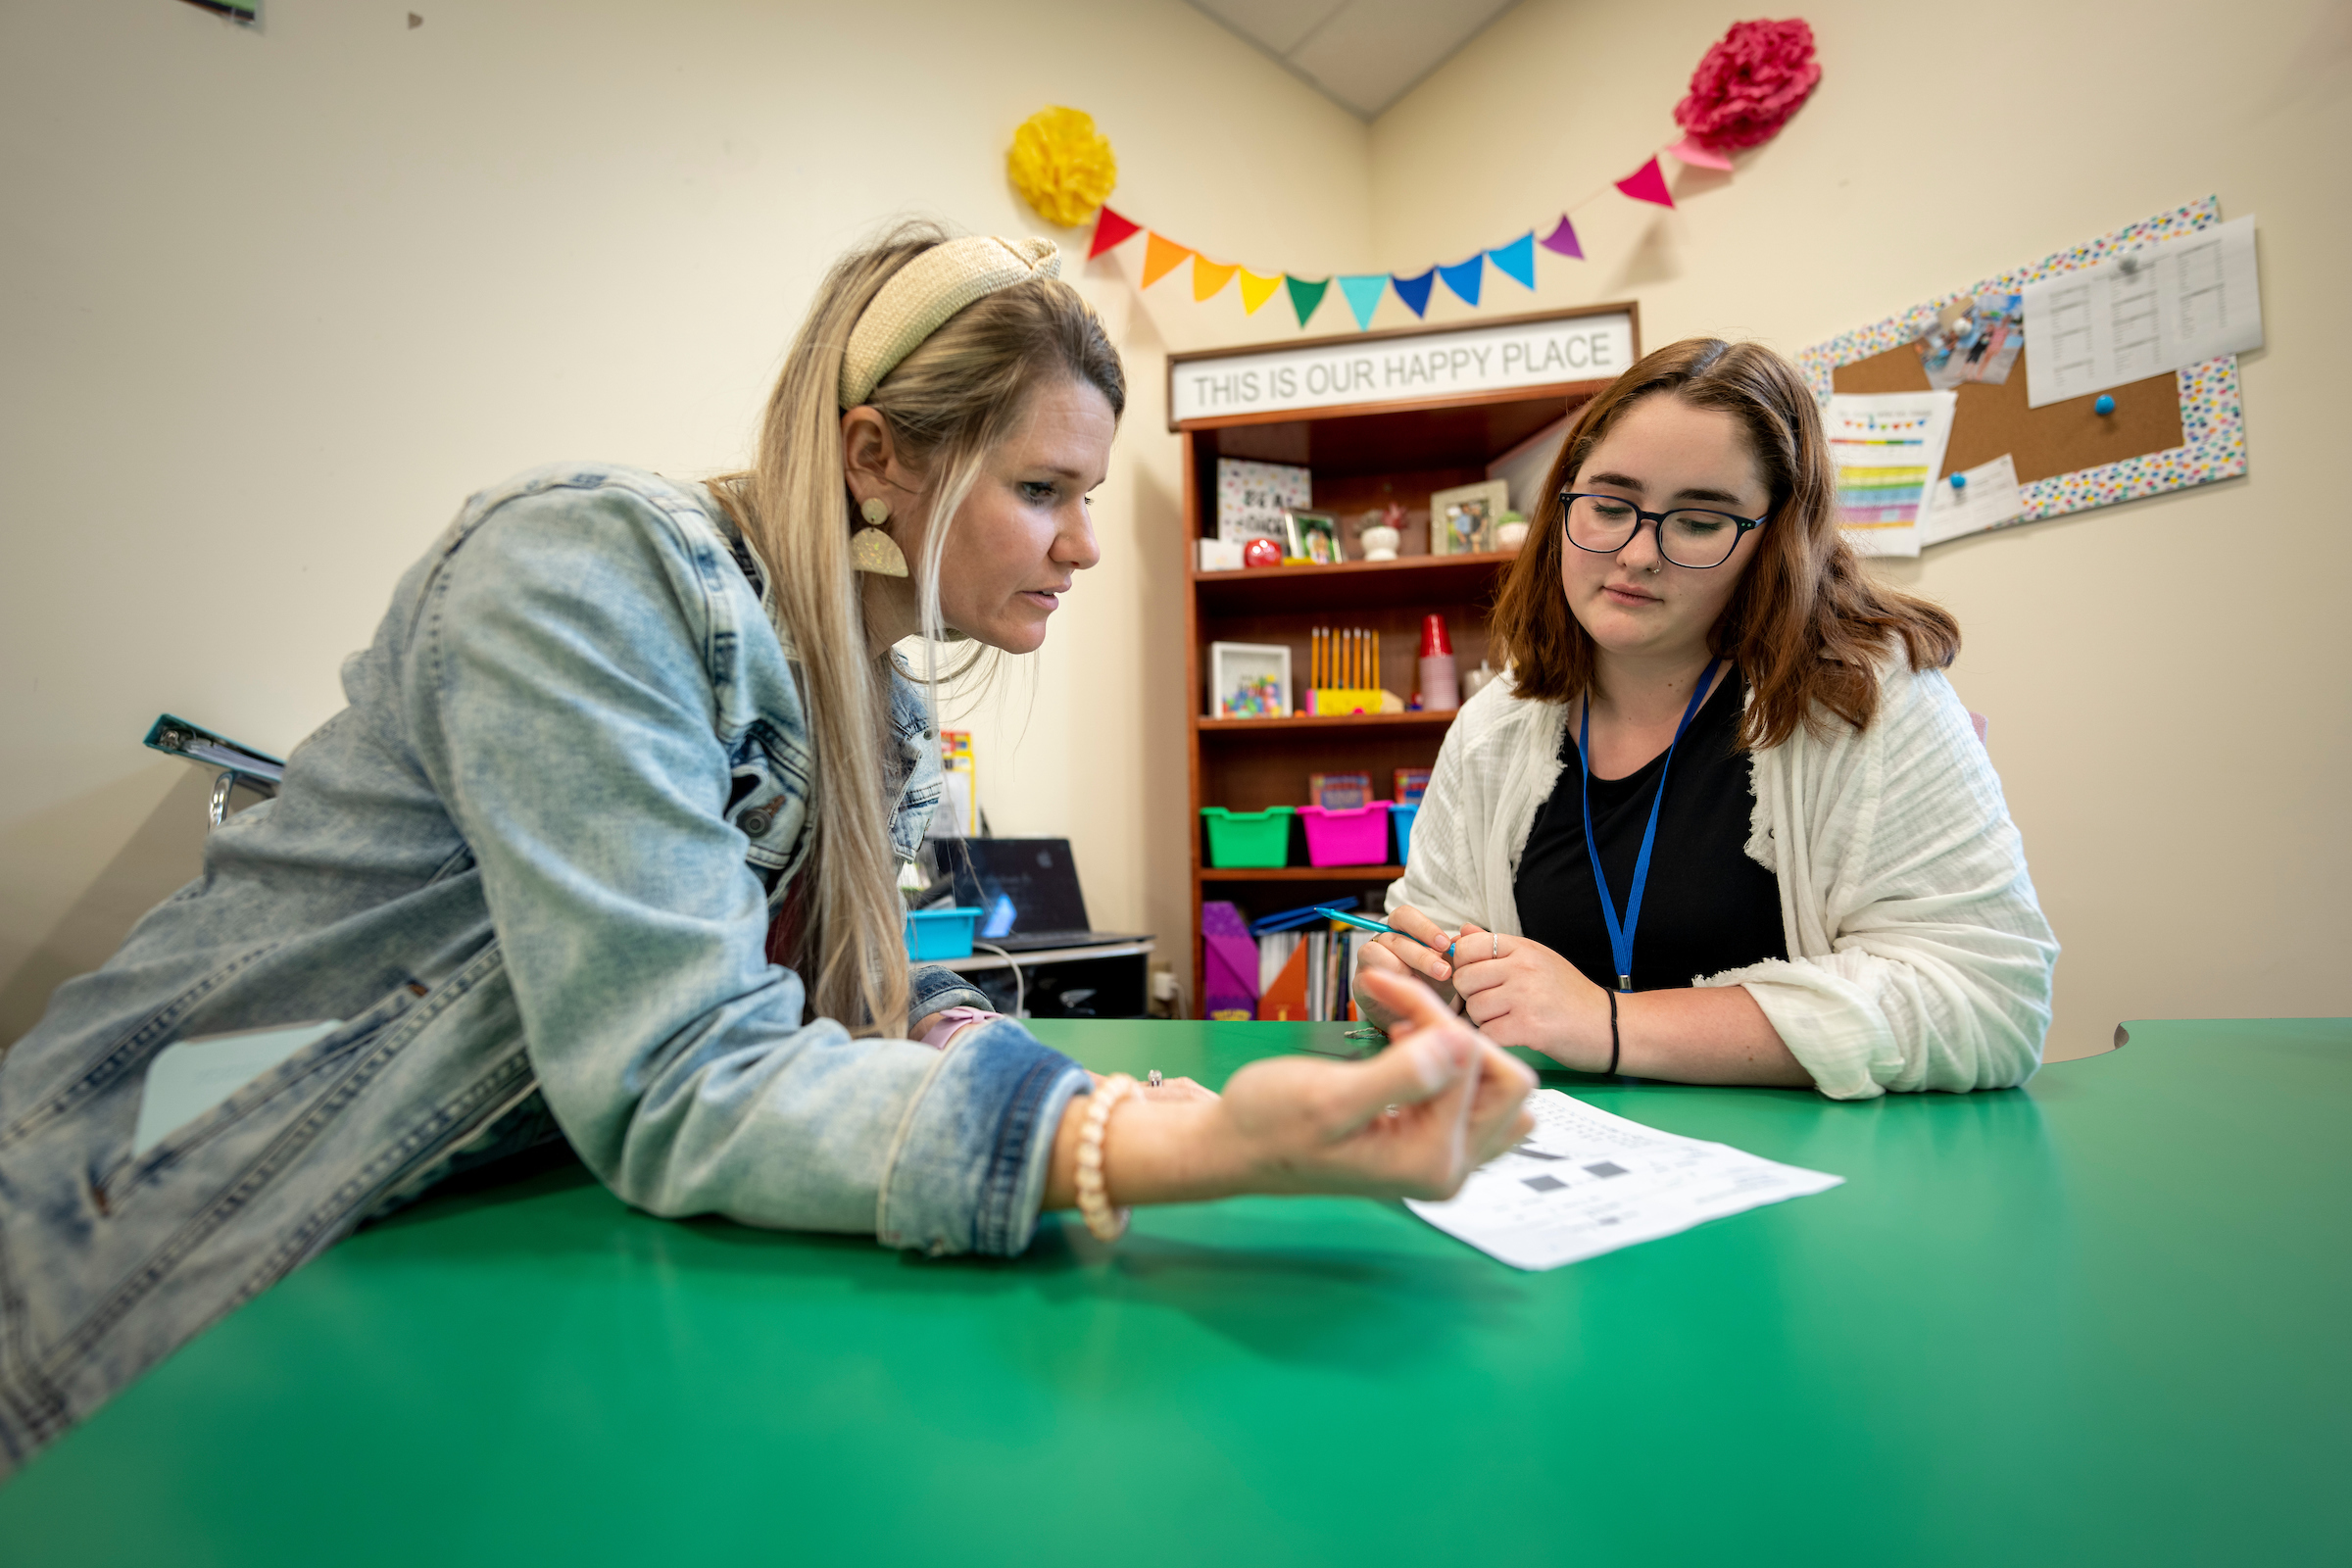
<point x="1708" y="906"/>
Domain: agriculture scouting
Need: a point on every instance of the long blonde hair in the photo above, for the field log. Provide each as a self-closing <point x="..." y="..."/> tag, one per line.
<point x="947" y="404"/>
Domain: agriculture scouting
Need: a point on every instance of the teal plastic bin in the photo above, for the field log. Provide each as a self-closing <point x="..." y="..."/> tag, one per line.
<point x="1402" y="817"/>
<point x="1249" y="838"/>
<point x="941" y="933"/>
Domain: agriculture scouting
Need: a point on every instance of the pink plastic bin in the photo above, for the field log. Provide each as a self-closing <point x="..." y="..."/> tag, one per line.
<point x="1359" y="836"/>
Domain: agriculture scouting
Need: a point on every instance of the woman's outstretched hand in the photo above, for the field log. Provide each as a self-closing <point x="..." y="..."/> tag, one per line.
<point x="1411" y="1122"/>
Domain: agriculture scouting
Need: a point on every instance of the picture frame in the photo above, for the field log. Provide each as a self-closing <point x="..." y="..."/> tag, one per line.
<point x="1253" y="495"/>
<point x="1249" y="680"/>
<point x="1462" y="520"/>
<point x="1312" y="536"/>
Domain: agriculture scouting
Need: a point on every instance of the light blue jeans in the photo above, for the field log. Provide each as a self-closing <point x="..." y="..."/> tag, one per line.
<point x="531" y="865"/>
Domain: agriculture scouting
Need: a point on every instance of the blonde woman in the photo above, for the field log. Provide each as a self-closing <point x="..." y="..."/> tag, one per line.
<point x="606" y="846"/>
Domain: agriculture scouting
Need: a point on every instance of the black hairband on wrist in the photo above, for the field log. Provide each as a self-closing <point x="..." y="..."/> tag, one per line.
<point x="1613" y="1042"/>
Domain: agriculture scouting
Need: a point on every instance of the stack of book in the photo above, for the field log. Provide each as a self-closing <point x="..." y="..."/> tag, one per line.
<point x="1307" y="976"/>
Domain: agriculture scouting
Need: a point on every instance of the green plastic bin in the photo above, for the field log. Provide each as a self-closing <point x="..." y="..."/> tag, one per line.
<point x="1249" y="838"/>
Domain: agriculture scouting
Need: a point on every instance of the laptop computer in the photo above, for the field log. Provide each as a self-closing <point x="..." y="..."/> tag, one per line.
<point x="1029" y="891"/>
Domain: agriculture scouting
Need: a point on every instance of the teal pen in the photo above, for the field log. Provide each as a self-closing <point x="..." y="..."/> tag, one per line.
<point x="1361" y="923"/>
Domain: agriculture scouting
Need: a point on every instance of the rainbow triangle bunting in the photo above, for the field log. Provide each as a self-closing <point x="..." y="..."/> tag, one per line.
<point x="1515" y="260"/>
<point x="1689" y="151"/>
<point x="1363" y="292"/>
<point x="1161" y="257"/>
<point x="1256" y="290"/>
<point x="1465" y="278"/>
<point x="1210" y="277"/>
<point x="1414" y="291"/>
<point x="1306" y="296"/>
<point x="1110" y="229"/>
<point x="1647" y="184"/>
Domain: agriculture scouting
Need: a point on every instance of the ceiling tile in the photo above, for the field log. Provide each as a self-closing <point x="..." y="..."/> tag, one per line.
<point x="1363" y="54"/>
<point x="1274" y="26"/>
<point x="1373" y="51"/>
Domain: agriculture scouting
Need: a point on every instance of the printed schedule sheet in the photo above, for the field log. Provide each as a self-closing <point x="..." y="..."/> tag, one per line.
<point x="1584" y="1183"/>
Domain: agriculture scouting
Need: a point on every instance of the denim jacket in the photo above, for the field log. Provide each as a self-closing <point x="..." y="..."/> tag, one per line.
<point x="531" y="865"/>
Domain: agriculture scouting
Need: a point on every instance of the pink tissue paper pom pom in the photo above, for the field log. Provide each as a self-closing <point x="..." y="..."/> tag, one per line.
<point x="1749" y="83"/>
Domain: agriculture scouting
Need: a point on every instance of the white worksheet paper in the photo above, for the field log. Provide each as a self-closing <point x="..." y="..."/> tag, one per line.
<point x="1988" y="499"/>
<point x="2162" y="307"/>
<point x="1584" y="1183"/>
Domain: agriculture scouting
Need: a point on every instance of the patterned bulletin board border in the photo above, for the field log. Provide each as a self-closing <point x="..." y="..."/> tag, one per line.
<point x="2213" y="427"/>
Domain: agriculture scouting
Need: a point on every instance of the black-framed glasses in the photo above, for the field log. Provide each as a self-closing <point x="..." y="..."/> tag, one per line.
<point x="1688" y="536"/>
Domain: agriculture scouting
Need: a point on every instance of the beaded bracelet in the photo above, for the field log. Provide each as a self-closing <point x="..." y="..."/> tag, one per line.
<point x="1104" y="1222"/>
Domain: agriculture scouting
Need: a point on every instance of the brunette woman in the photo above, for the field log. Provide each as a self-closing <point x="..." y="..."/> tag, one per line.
<point x="1805" y="871"/>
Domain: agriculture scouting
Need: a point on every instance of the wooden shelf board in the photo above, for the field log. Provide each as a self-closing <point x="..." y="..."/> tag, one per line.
<point x="1358" y="722"/>
<point x="1299" y="873"/>
<point x="1435" y="564"/>
<point x="1436" y="582"/>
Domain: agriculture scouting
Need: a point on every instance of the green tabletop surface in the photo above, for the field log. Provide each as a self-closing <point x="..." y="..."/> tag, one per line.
<point x="2099" y="1319"/>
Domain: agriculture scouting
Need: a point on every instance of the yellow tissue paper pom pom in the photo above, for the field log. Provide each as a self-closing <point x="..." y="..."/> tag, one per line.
<point x="1060" y="165"/>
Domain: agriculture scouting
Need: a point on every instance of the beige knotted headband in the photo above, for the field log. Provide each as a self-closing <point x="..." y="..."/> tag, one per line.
<point x="918" y="300"/>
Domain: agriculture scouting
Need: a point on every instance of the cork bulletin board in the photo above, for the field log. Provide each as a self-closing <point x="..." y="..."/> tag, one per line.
<point x="2167" y="432"/>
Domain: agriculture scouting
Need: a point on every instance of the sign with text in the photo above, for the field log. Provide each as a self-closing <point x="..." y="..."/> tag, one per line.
<point x="1404" y="368"/>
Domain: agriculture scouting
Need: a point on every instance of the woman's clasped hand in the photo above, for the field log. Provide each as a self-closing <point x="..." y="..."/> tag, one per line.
<point x="1516" y="992"/>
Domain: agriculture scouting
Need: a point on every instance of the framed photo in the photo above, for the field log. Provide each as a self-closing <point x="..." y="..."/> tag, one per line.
<point x="1249" y="680"/>
<point x="1310" y="536"/>
<point x="1461" y="521"/>
<point x="1253" y="495"/>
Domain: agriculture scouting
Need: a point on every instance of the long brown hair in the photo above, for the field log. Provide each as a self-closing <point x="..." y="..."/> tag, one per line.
<point x="1806" y="627"/>
<point x="959" y="394"/>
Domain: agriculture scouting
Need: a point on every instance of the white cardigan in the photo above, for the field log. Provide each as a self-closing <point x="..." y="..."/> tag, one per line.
<point x="1919" y="958"/>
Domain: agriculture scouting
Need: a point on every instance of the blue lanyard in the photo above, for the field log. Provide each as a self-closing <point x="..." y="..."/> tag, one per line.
<point x="1621" y="934"/>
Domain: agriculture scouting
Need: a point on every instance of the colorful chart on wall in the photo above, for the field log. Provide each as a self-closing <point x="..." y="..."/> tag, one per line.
<point x="2163" y="432"/>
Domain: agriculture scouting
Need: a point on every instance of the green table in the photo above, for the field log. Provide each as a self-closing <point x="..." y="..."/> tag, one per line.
<point x="2097" y="1320"/>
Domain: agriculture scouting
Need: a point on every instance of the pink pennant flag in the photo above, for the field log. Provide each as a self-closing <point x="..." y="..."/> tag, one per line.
<point x="1690" y="151"/>
<point x="1562" y="241"/>
<point x="1647" y="184"/>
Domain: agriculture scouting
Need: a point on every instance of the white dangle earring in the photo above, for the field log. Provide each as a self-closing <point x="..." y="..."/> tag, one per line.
<point x="872" y="550"/>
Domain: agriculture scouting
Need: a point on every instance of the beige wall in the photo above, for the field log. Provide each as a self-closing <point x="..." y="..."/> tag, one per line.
<point x="278" y="301"/>
<point x="2166" y="680"/>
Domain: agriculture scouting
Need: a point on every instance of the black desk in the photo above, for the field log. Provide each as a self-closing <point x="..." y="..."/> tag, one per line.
<point x="1109" y="981"/>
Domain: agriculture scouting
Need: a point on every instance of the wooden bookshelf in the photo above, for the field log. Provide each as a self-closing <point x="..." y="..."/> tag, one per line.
<point x="1360" y="723"/>
<point x="1299" y="873"/>
<point x="1361" y="454"/>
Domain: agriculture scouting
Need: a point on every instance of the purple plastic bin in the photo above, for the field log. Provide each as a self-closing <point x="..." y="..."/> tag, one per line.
<point x="1229" y="961"/>
<point x="1359" y="837"/>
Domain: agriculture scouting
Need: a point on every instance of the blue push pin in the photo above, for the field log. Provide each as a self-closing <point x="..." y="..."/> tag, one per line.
<point x="1959" y="481"/>
<point x="2105" y="405"/>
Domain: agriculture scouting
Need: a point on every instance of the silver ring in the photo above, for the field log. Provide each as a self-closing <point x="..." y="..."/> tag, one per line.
<point x="1497" y="939"/>
<point x="1152" y="1080"/>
